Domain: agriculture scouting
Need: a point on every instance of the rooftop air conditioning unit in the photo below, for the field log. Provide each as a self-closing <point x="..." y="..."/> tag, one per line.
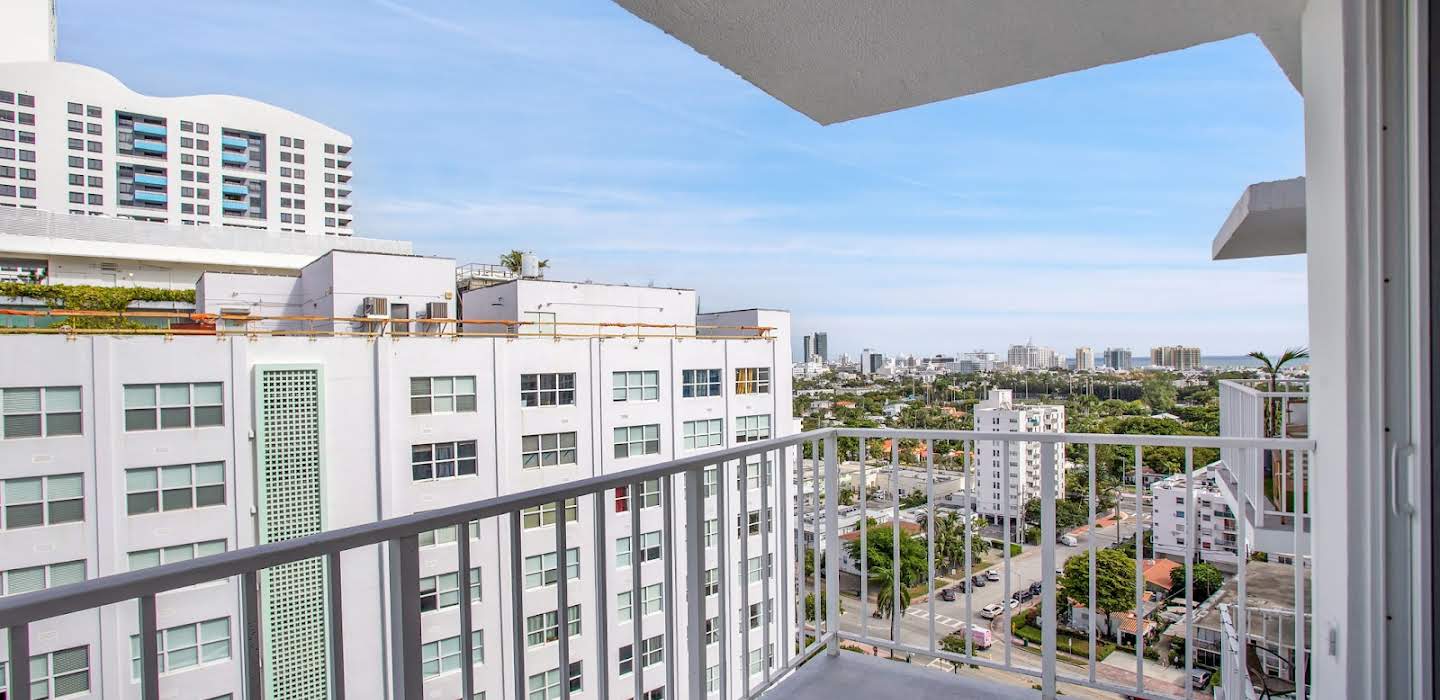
<point x="376" y="307"/>
<point x="434" y="310"/>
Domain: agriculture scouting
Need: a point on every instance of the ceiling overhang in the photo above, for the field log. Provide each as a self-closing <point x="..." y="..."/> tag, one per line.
<point x="1268" y="219"/>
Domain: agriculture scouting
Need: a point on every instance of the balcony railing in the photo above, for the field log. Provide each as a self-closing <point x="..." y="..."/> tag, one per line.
<point x="693" y="491"/>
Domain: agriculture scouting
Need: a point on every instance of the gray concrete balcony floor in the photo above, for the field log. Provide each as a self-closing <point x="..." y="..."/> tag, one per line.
<point x="851" y="675"/>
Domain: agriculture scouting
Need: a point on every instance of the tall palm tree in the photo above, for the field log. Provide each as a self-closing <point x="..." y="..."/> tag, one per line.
<point x="884" y="577"/>
<point x="1271" y="367"/>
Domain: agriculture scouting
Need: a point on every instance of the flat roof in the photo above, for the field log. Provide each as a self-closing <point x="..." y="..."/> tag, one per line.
<point x="1268" y="587"/>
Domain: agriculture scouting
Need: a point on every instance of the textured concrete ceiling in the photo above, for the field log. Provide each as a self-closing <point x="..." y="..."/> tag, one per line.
<point x="836" y="60"/>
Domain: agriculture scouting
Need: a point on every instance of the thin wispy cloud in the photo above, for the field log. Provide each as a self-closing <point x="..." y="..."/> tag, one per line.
<point x="1075" y="210"/>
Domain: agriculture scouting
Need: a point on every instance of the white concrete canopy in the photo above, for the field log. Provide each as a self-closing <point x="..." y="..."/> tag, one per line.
<point x="836" y="60"/>
<point x="1268" y="219"/>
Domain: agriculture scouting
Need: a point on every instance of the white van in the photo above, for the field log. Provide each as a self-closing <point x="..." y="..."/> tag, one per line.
<point x="1069" y="541"/>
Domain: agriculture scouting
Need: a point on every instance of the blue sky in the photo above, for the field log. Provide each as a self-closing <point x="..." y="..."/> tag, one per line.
<point x="1077" y="210"/>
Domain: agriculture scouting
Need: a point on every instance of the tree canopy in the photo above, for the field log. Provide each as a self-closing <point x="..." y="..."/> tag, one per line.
<point x="1114" y="581"/>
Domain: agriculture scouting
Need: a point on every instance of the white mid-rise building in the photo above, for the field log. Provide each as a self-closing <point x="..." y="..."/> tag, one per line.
<point x="121" y="452"/>
<point x="1084" y="359"/>
<point x="999" y="413"/>
<point x="1215" y="529"/>
<point x="1032" y="356"/>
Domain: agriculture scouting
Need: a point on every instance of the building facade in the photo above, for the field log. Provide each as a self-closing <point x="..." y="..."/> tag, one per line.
<point x="1084" y="359"/>
<point x="1119" y="359"/>
<point x="822" y="346"/>
<point x="1013" y="463"/>
<point x="1032" y="356"/>
<point x="118" y="453"/>
<point x="1177" y="357"/>
<point x="1215" y="527"/>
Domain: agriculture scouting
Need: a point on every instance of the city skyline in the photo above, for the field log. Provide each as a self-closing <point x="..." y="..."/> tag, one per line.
<point x="681" y="173"/>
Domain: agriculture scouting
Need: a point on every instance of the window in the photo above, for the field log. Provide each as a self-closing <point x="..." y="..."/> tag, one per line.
<point x="624" y="606"/>
<point x="94" y="164"/>
<point x="550" y="389"/>
<point x="711" y="482"/>
<point x="443" y="655"/>
<point x="636" y="386"/>
<point x="443" y="591"/>
<point x="627" y="660"/>
<point x="652" y="651"/>
<point x="39" y="412"/>
<point x="155" y="489"/>
<point x="57" y="674"/>
<point x="758" y="610"/>
<point x="446" y="535"/>
<point x="546" y="450"/>
<point x="146" y="558"/>
<point x="752" y="380"/>
<point x="27" y="100"/>
<point x="757" y="572"/>
<point x="751" y="474"/>
<point x="704" y="433"/>
<point x="42" y="500"/>
<point x="756" y="660"/>
<point x="442" y="460"/>
<point x="652" y="599"/>
<point x="544" y="514"/>
<point x="649" y="546"/>
<point x="541" y="569"/>
<point x="442" y="395"/>
<point x="649" y="493"/>
<point x="712" y="531"/>
<point x="74" y="108"/>
<point x="637" y="440"/>
<point x="36" y="578"/>
<point x="545" y="627"/>
<point x="546" y="686"/>
<point x="752" y="428"/>
<point x="754" y="518"/>
<point x="167" y="406"/>
<point x="712" y="630"/>
<point x="186" y="645"/>
<point x="696" y="383"/>
<point x="93" y="129"/>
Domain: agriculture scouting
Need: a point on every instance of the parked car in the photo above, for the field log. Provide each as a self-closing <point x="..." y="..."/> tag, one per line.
<point x="978" y="580"/>
<point x="1069" y="540"/>
<point x="947" y="594"/>
<point x="959" y="587"/>
<point x="1036" y="587"/>
<point x="1014" y="603"/>
<point x="992" y="611"/>
<point x="1024" y="595"/>
<point x="992" y="575"/>
<point x="1200" y="678"/>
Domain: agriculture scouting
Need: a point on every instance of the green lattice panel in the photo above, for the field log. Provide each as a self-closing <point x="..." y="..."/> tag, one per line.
<point x="289" y="439"/>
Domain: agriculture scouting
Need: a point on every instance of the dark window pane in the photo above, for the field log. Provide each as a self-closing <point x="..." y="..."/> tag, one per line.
<point x="176" y="499"/>
<point x="467" y="466"/>
<point x="67" y="511"/>
<point x="22" y="426"/>
<point x="420" y="472"/>
<point x="212" y="495"/>
<point x="175" y="417"/>
<point x="209" y="415"/>
<point x="27" y="515"/>
<point x="137" y="503"/>
<point x="419" y="405"/>
<point x="465" y="403"/>
<point x="467" y="449"/>
<point x="62" y="424"/>
<point x="140" y="419"/>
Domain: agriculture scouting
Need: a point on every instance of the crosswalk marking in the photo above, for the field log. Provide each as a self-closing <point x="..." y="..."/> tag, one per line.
<point x="945" y="620"/>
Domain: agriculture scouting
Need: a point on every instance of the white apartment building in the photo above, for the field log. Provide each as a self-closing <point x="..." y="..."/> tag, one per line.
<point x="1017" y="463"/>
<point x="1032" y="356"/>
<point x="871" y="362"/>
<point x="977" y="361"/>
<point x="125" y="452"/>
<point x="1215" y="526"/>
<point x="1179" y="357"/>
<point x="1084" y="359"/>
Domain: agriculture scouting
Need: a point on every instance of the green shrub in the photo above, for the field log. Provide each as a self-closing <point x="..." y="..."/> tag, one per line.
<point x="92" y="298"/>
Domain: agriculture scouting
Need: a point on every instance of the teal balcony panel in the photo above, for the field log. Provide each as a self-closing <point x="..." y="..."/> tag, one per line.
<point x="150" y="197"/>
<point x="228" y="205"/>
<point x="237" y="190"/>
<point x="149" y="129"/>
<point x="234" y="158"/>
<point x="151" y="180"/>
<point x="234" y="142"/>
<point x="155" y="147"/>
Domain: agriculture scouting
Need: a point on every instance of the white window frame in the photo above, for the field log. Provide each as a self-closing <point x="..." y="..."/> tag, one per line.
<point x="443" y="590"/>
<point x="544" y="568"/>
<point x="203" y="638"/>
<point x="172" y="554"/>
<point x="446" y="535"/>
<point x="700" y="434"/>
<point x="548" y="450"/>
<point x="50" y="677"/>
<point x="543" y="515"/>
<point x="544" y="628"/>
<point x="442" y="395"/>
<point x="444" y="460"/>
<point x="546" y="685"/>
<point x="193" y="486"/>
<point x="637" y="440"/>
<point x="752" y="380"/>
<point x="652" y="651"/>
<point x="165" y="413"/>
<point x="60" y="402"/>
<point x="50" y="575"/>
<point x="47" y="502"/>
<point x="535" y="394"/>
<point x="636" y="385"/>
<point x="752" y="428"/>
<point x="701" y="383"/>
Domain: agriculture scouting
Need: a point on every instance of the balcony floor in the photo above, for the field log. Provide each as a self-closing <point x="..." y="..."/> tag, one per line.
<point x="852" y="675"/>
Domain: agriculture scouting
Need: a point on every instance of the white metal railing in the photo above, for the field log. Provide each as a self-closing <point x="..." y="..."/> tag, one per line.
<point x="41" y="223"/>
<point x="808" y="463"/>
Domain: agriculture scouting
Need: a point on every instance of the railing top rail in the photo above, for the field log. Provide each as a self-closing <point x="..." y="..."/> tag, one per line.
<point x="1260" y="387"/>
<point x="1201" y="441"/>
<point x="62" y="600"/>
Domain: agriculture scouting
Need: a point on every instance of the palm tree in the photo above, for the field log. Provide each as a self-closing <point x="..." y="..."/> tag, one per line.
<point x="884" y="577"/>
<point x="1271" y="367"/>
<point x="511" y="261"/>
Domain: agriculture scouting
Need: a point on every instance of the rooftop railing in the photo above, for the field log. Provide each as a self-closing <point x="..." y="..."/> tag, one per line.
<point x="692" y="491"/>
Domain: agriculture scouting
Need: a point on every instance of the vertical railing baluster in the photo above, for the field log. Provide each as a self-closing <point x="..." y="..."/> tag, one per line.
<point x="722" y="576"/>
<point x="562" y="597"/>
<point x="895" y="568"/>
<point x="602" y="595"/>
<point x="815" y="471"/>
<point x="832" y="544"/>
<point x="667" y="578"/>
<point x="637" y="613"/>
<point x="742" y="511"/>
<point x="971" y="492"/>
<point x="517" y="607"/>
<point x="1139" y="571"/>
<point x="467" y="623"/>
<point x="149" y="650"/>
<point x="930" y="537"/>
<point x="1241" y="617"/>
<point x="864" y="499"/>
<point x="695" y="580"/>
<point x="782" y="506"/>
<point x="1190" y="525"/>
<point x="336" y="630"/>
<point x="20" y="662"/>
<point x="405" y="602"/>
<point x="250" y="602"/>
<point x="1091" y="533"/>
<point x="766" y="574"/>
<point x="1005" y="534"/>
<point x="1049" y="591"/>
<point x="1299" y="509"/>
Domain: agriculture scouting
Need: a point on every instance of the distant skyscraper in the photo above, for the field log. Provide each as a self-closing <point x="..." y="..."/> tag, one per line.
<point x="1032" y="356"/>
<point x="871" y="361"/>
<point x="822" y="345"/>
<point x="978" y="361"/>
<point x="1084" y="359"/>
<point x="1181" y="357"/>
<point x="1118" y="358"/>
<point x="809" y="348"/>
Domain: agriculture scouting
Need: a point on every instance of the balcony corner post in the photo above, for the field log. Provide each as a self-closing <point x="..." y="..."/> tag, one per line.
<point x="832" y="544"/>
<point x="1048" y="598"/>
